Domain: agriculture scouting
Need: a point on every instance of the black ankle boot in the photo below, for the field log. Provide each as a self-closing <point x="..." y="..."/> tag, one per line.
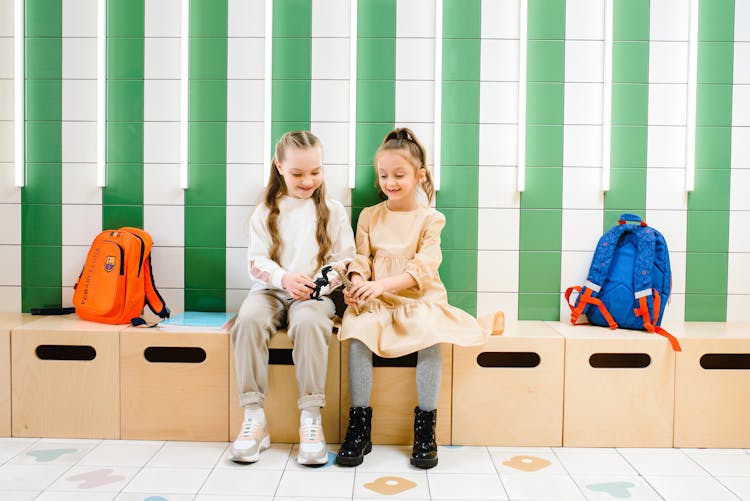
<point x="424" y="452"/>
<point x="357" y="442"/>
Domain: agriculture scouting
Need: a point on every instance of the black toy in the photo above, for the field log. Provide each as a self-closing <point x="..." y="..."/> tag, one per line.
<point x="320" y="282"/>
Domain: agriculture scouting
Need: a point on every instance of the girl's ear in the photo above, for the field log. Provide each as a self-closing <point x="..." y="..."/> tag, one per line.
<point x="277" y="164"/>
<point x="421" y="174"/>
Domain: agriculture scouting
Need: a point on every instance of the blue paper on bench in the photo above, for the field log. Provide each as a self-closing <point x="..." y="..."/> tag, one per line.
<point x="199" y="319"/>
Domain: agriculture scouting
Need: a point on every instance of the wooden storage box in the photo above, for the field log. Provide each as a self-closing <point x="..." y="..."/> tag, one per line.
<point x="712" y="385"/>
<point x="280" y="405"/>
<point x="619" y="387"/>
<point x="66" y="379"/>
<point x="509" y="392"/>
<point x="174" y="383"/>
<point x="394" y="396"/>
<point x="8" y="321"/>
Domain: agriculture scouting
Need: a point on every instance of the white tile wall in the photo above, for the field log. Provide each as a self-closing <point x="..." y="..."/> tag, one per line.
<point x="739" y="190"/>
<point x="742" y="20"/>
<point x="238" y="220"/>
<point x="73" y="259"/>
<point x="79" y="58"/>
<point x="498" y="229"/>
<point x="246" y="18"/>
<point x="10" y="298"/>
<point x="162" y="18"/>
<point x="665" y="189"/>
<point x="736" y="307"/>
<point x="246" y="97"/>
<point x="739" y="236"/>
<point x="166" y="221"/>
<point x="415" y="18"/>
<point x="414" y="101"/>
<point x="6" y="99"/>
<point x="582" y="145"/>
<point x="666" y="146"/>
<point x="175" y="298"/>
<point x="675" y="310"/>
<point x="79" y="18"/>
<point x="497" y="187"/>
<point x="161" y="58"/>
<point x="490" y="302"/>
<point x="741" y="105"/>
<point x="161" y="100"/>
<point x="672" y="224"/>
<point x="584" y="61"/>
<point x="740" y="147"/>
<point x="499" y="102"/>
<point x="415" y="58"/>
<point x="330" y="59"/>
<point x="6" y="142"/>
<point x="11" y="275"/>
<point x="6" y="57"/>
<point x="244" y="184"/>
<point x="584" y="20"/>
<point x="583" y="103"/>
<point x="668" y="62"/>
<point x="168" y="264"/>
<point x="329" y="100"/>
<point x="80" y="224"/>
<point x="79" y="184"/>
<point x="244" y="142"/>
<point x="335" y="139"/>
<point x="161" y="142"/>
<point x="499" y="271"/>
<point x="667" y="104"/>
<point x="245" y="58"/>
<point x="678" y="264"/>
<point x="738" y="281"/>
<point x="78" y="142"/>
<point x="582" y="188"/>
<point x="9" y="194"/>
<point x="161" y="184"/>
<point x="79" y="100"/>
<point x="237" y="276"/>
<point x="498" y="144"/>
<point x="500" y="18"/>
<point x="337" y="186"/>
<point x="6" y="20"/>
<point x="330" y="18"/>
<point x="669" y="20"/>
<point x="741" y="69"/>
<point x="499" y="60"/>
<point x="581" y="229"/>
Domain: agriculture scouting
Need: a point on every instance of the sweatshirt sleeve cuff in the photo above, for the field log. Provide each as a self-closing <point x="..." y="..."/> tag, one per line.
<point x="276" y="277"/>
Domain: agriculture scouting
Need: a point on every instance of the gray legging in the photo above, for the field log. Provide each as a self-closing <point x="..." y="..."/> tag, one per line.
<point x="429" y="370"/>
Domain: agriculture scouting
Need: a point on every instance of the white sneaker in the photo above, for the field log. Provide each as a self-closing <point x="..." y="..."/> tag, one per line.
<point x="312" y="443"/>
<point x="252" y="440"/>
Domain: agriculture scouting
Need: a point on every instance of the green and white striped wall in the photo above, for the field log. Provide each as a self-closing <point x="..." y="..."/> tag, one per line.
<point x="502" y="249"/>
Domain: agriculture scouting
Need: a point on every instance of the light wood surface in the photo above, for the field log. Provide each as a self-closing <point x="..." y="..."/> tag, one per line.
<point x="507" y="406"/>
<point x="66" y="398"/>
<point x="174" y="401"/>
<point x="394" y="397"/>
<point x="616" y="407"/>
<point x="280" y="405"/>
<point x="711" y="405"/>
<point x="7" y="322"/>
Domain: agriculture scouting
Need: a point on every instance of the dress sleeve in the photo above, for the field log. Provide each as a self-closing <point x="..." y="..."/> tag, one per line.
<point x="427" y="260"/>
<point x="362" y="263"/>
<point x="260" y="265"/>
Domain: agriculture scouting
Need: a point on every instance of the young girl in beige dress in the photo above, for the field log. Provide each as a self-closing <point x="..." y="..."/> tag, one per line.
<point x="398" y="305"/>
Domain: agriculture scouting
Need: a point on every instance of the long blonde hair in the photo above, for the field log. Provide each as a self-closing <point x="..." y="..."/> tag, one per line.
<point x="405" y="142"/>
<point x="301" y="140"/>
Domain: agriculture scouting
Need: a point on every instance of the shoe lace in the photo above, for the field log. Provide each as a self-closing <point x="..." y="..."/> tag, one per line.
<point x="311" y="429"/>
<point x="249" y="427"/>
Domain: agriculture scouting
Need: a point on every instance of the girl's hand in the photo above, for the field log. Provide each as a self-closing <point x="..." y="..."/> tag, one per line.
<point x="298" y="285"/>
<point x="364" y="291"/>
<point x="348" y="299"/>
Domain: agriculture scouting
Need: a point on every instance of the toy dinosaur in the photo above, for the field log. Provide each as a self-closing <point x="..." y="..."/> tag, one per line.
<point x="341" y="270"/>
<point x="320" y="282"/>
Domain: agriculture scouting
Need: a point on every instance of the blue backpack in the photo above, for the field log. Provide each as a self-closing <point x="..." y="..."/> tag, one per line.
<point x="629" y="281"/>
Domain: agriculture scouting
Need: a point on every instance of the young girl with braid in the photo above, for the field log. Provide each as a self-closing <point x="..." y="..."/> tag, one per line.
<point x="402" y="306"/>
<point x="294" y="235"/>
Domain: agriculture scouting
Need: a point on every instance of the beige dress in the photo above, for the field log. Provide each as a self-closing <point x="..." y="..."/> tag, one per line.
<point x="395" y="324"/>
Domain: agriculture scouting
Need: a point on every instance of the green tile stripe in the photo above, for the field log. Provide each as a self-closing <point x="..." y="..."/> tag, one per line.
<point x="541" y="202"/>
<point x="459" y="192"/>
<point x="629" y="132"/>
<point x="122" y="197"/>
<point x="292" y="62"/>
<point x="376" y="92"/>
<point x="205" y="198"/>
<point x="41" y="197"/>
<point x="708" y="204"/>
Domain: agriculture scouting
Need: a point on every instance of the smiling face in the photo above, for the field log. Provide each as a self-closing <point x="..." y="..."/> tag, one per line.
<point x="398" y="179"/>
<point x="302" y="170"/>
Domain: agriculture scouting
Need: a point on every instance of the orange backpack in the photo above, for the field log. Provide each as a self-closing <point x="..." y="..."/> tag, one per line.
<point x="116" y="281"/>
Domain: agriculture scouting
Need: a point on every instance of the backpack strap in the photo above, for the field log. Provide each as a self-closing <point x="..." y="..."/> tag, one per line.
<point x="642" y="311"/>
<point x="153" y="298"/>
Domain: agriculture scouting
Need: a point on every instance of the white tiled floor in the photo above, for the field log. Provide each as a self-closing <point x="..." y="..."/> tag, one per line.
<point x="83" y="470"/>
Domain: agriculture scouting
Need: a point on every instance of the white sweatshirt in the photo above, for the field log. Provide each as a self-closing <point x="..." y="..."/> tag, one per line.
<point x="296" y="225"/>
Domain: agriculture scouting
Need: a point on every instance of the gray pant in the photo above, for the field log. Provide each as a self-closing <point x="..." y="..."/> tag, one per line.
<point x="309" y="327"/>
